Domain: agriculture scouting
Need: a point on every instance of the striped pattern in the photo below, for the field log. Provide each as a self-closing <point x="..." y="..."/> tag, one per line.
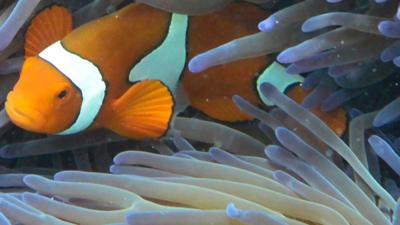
<point x="86" y="76"/>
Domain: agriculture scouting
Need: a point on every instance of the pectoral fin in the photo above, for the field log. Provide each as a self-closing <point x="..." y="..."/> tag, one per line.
<point x="144" y="111"/>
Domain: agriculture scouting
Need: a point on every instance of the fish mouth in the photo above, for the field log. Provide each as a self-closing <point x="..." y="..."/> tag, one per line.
<point x="27" y="119"/>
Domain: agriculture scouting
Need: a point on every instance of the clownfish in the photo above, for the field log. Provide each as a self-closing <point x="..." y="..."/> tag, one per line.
<point x="122" y="71"/>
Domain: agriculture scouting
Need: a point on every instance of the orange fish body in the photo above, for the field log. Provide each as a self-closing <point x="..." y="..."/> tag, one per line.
<point x="120" y="71"/>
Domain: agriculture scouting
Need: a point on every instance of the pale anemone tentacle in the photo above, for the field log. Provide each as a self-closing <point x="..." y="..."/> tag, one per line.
<point x="349" y="20"/>
<point x="204" y="156"/>
<point x="19" y="15"/>
<point x="54" y="144"/>
<point x="340" y="56"/>
<point x="321" y="130"/>
<point x="357" y="127"/>
<point x="12" y="180"/>
<point x="10" y="66"/>
<point x="4" y="121"/>
<point x="254" y="111"/>
<point x="142" y="171"/>
<point x="272" y="200"/>
<point x="21" y="212"/>
<point x="323" y="42"/>
<point x="4" y="220"/>
<point x="275" y="201"/>
<point x="363" y="24"/>
<point x="161" y="147"/>
<point x="179" y="217"/>
<point x="196" y="168"/>
<point x="331" y="172"/>
<point x="314" y="195"/>
<point x="396" y="219"/>
<point x="248" y="47"/>
<point x="299" y="129"/>
<point x="251" y="217"/>
<point x="309" y="174"/>
<point x="219" y="135"/>
<point x="188" y="195"/>
<point x="124" y="201"/>
<point x="226" y="158"/>
<point x="294" y="13"/>
<point x="182" y="144"/>
<point x="12" y="48"/>
<point x="275" y="119"/>
<point x="254" y="160"/>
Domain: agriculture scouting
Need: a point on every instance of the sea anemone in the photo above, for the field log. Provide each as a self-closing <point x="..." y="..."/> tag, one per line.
<point x="292" y="170"/>
<point x="218" y="187"/>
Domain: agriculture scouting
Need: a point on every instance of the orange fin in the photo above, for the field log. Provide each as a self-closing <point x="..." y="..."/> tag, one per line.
<point x="144" y="111"/>
<point x="336" y="119"/>
<point x="50" y="25"/>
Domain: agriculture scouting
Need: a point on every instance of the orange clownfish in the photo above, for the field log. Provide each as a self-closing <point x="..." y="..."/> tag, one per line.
<point x="121" y="71"/>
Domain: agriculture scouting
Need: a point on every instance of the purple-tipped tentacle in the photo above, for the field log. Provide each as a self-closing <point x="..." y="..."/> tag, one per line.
<point x="391" y="52"/>
<point x="252" y="217"/>
<point x="182" y="144"/>
<point x="337" y="98"/>
<point x="338" y="38"/>
<point x="365" y="74"/>
<point x="312" y="80"/>
<point x="309" y="174"/>
<point x="318" y="128"/>
<point x="388" y="114"/>
<point x="254" y="111"/>
<point x="360" y="22"/>
<point x="224" y="157"/>
<point x="294" y="13"/>
<point x="390" y="29"/>
<point x="325" y="88"/>
<point x="341" y="70"/>
<point x="385" y="152"/>
<point x="360" y="51"/>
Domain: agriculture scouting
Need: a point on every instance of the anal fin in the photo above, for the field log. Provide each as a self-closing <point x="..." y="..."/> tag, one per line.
<point x="50" y="25"/>
<point x="144" y="111"/>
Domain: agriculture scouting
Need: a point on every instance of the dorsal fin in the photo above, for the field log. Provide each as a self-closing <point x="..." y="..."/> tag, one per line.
<point x="50" y="25"/>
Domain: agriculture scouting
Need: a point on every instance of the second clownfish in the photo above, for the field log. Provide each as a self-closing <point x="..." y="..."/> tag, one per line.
<point x="122" y="71"/>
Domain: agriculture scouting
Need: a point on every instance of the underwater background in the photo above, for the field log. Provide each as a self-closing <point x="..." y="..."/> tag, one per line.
<point x="285" y="166"/>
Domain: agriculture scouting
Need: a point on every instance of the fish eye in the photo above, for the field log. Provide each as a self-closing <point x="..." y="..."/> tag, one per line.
<point x="62" y="94"/>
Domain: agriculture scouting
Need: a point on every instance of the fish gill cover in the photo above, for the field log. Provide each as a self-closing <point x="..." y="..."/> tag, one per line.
<point x="284" y="167"/>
